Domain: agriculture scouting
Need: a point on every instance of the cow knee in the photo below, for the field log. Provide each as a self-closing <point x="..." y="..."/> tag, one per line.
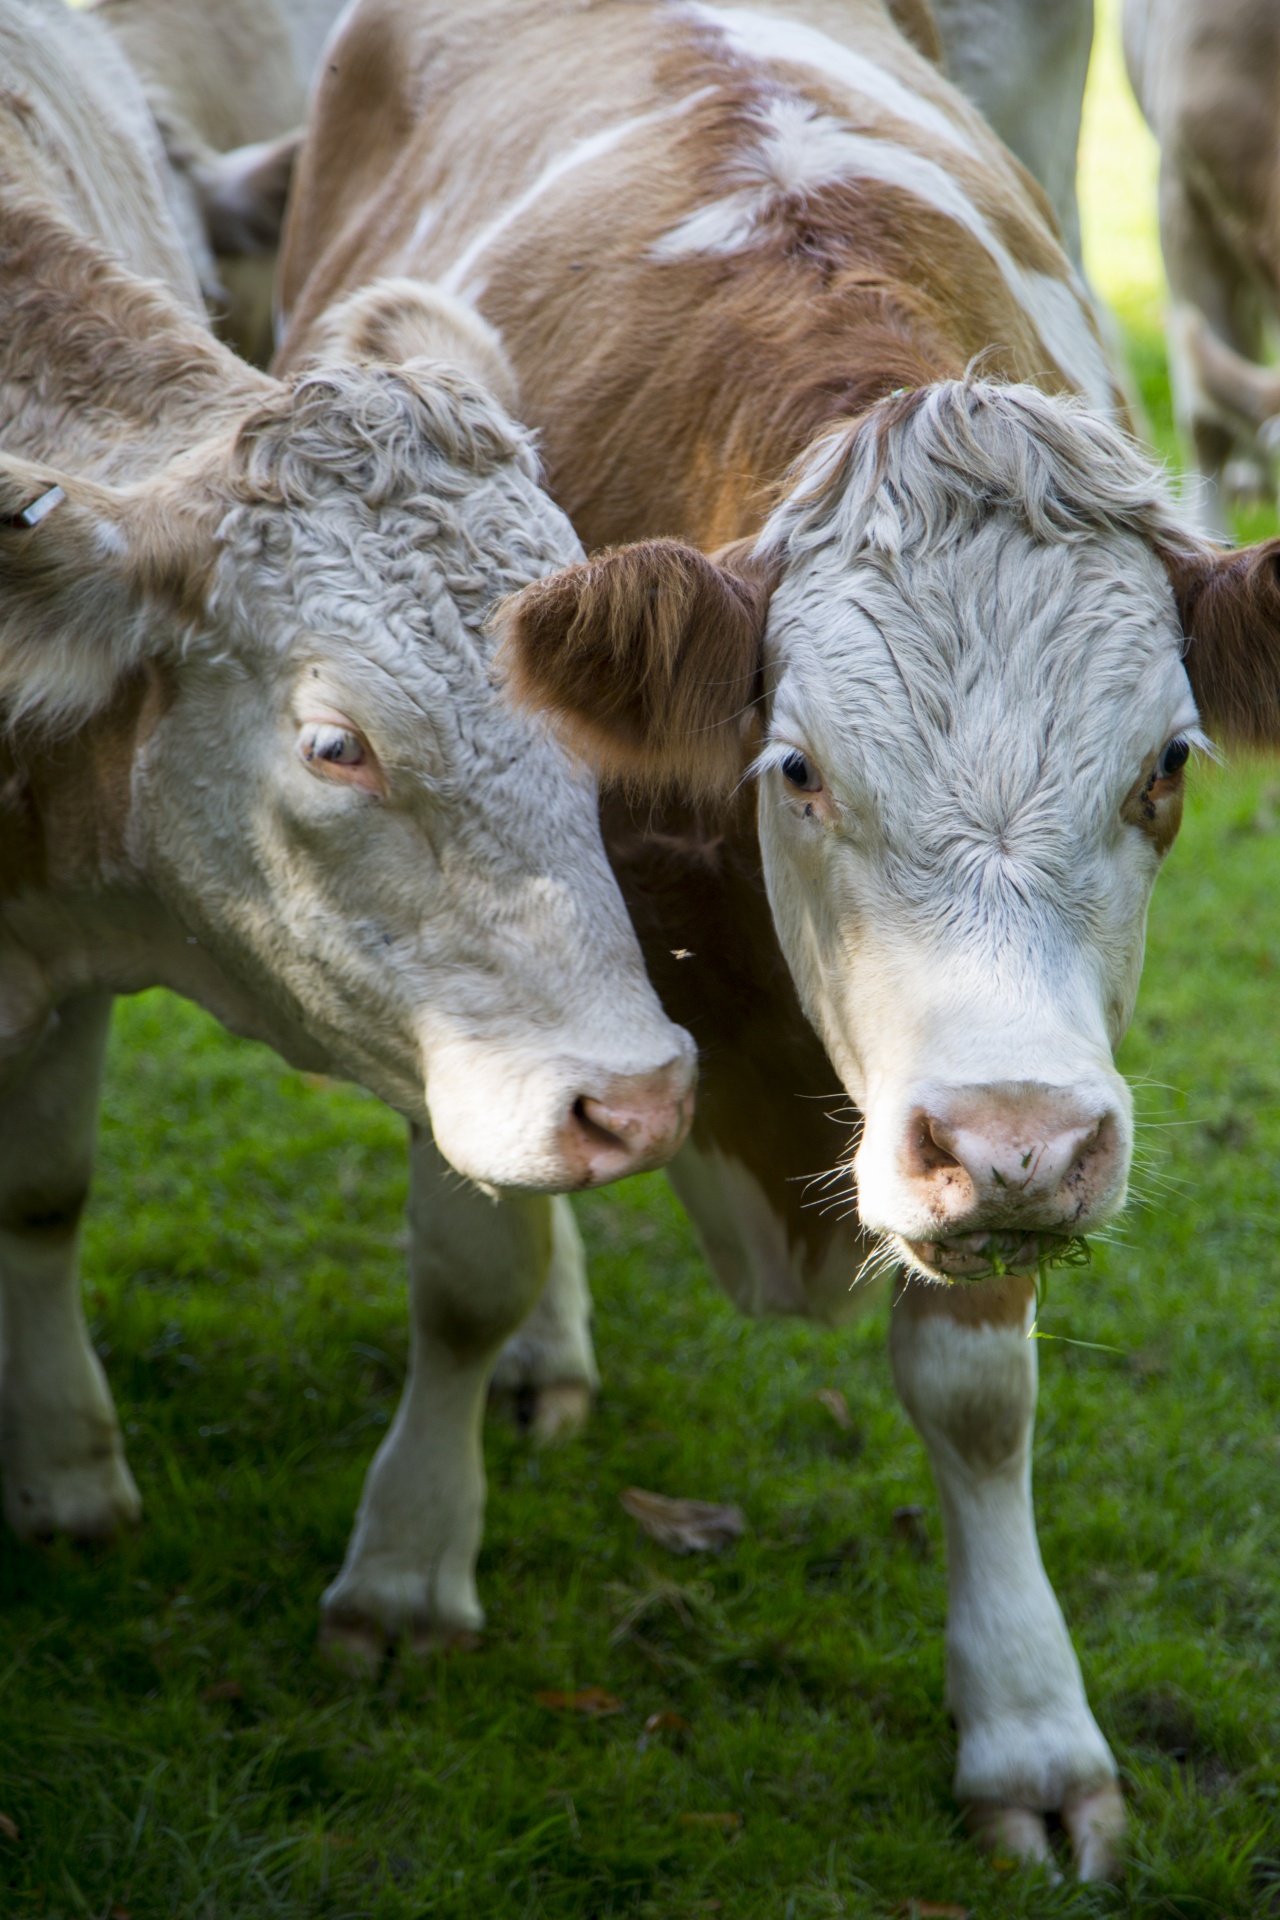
<point x="46" y="1213"/>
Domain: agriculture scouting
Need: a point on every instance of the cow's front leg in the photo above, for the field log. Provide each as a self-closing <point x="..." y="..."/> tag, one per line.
<point x="476" y="1266"/>
<point x="548" y="1367"/>
<point x="60" y="1449"/>
<point x="966" y="1372"/>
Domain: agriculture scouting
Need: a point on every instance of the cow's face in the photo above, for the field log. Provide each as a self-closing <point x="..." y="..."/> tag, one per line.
<point x="968" y="658"/>
<point x="974" y="766"/>
<point x="337" y="804"/>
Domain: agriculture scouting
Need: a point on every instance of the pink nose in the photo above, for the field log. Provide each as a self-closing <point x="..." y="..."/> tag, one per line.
<point x="635" y="1122"/>
<point x="1016" y="1155"/>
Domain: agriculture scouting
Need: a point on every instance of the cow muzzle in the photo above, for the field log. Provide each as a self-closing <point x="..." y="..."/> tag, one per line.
<point x="1001" y="1177"/>
<point x="632" y="1123"/>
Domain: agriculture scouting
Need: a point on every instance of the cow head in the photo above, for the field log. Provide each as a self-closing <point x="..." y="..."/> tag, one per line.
<point x="955" y="662"/>
<point x="356" y="836"/>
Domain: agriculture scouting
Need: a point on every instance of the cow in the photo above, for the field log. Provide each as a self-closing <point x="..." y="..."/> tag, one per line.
<point x="227" y="87"/>
<point x="882" y="654"/>
<point x="1206" y="78"/>
<point x="1023" y="64"/>
<point x="251" y="749"/>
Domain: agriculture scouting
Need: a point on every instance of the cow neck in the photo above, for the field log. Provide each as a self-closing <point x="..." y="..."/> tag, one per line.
<point x="101" y="372"/>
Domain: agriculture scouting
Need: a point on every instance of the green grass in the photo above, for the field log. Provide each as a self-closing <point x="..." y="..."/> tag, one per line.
<point x="172" y="1746"/>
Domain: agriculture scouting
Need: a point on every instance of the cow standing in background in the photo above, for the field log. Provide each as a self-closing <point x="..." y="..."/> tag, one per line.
<point x="911" y="642"/>
<point x="1024" y="64"/>
<point x="226" y="82"/>
<point x="1207" y="77"/>
<point x="250" y="750"/>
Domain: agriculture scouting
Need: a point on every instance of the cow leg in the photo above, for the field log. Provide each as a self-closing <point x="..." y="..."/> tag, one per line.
<point x="1028" y="1744"/>
<point x="476" y="1266"/>
<point x="60" y="1449"/>
<point x="548" y="1368"/>
<point x="1207" y="285"/>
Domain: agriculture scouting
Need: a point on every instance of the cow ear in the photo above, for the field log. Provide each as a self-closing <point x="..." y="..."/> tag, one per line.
<point x="243" y="195"/>
<point x="93" y="580"/>
<point x="649" y="660"/>
<point x="1229" y="605"/>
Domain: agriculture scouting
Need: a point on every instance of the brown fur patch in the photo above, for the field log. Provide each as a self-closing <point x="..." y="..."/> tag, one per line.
<point x="1001" y="1302"/>
<point x="649" y="658"/>
<point x="1229" y="604"/>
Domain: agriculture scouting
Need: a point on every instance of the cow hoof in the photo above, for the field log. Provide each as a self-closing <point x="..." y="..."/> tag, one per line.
<point x="359" y="1648"/>
<point x="559" y="1412"/>
<point x="355" y="1649"/>
<point x="1095" y="1824"/>
<point x="1014" y="1833"/>
<point x="546" y="1414"/>
<point x="94" y="1502"/>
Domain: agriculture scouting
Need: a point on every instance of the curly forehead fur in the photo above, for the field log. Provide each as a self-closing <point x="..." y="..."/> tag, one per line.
<point x="411" y="505"/>
<point x="387" y="435"/>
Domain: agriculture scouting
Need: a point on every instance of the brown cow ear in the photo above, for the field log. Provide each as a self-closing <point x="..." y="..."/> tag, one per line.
<point x="648" y="658"/>
<point x="1229" y="604"/>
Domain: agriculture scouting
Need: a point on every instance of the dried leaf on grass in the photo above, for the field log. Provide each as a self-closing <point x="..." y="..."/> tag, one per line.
<point x="9" y="1828"/>
<point x="593" y="1701"/>
<point x="837" y="1406"/>
<point x="223" y="1690"/>
<point x="724" y="1822"/>
<point x="684" y="1526"/>
<point x="931" y="1910"/>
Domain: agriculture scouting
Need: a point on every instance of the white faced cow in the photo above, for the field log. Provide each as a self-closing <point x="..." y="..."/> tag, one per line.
<point x="741" y="257"/>
<point x="250" y="749"/>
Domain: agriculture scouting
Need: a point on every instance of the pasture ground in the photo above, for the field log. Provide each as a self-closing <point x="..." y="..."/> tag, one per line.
<point x="171" y="1746"/>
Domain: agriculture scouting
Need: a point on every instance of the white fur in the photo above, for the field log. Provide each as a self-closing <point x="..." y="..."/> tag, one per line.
<point x="764" y="38"/>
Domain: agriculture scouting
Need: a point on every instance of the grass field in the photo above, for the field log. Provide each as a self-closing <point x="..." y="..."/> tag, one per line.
<point x="170" y="1744"/>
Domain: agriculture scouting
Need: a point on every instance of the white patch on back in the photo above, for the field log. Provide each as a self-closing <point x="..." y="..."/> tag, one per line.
<point x="802" y="150"/>
<point x="582" y="153"/>
<point x="761" y="37"/>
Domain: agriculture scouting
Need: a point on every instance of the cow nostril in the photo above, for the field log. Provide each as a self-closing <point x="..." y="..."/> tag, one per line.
<point x="597" y="1135"/>
<point x="932" y="1154"/>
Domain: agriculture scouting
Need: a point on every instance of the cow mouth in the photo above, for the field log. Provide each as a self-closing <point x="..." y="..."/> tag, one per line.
<point x="981" y="1256"/>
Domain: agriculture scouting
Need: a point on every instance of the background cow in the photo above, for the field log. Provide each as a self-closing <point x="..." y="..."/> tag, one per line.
<point x="251" y="750"/>
<point x="741" y="280"/>
<point x="227" y="85"/>
<point x="1208" y="78"/>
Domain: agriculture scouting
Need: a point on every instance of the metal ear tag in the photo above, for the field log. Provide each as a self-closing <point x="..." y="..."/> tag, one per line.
<point x="31" y="516"/>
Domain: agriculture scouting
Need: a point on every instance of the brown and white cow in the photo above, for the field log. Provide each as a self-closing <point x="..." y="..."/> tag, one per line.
<point x="1207" y="77"/>
<point x="908" y="640"/>
<point x="251" y="750"/>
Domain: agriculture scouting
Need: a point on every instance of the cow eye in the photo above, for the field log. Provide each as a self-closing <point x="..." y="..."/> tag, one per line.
<point x="323" y="744"/>
<point x="799" y="774"/>
<point x="1173" y="759"/>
